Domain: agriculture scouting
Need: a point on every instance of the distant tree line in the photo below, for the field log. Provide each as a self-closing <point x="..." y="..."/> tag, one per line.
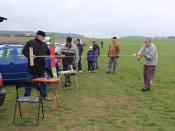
<point x="171" y="37"/>
<point x="32" y="34"/>
<point x="163" y="37"/>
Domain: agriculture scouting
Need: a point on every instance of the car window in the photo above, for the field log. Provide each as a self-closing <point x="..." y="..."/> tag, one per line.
<point x="6" y="54"/>
<point x="20" y="55"/>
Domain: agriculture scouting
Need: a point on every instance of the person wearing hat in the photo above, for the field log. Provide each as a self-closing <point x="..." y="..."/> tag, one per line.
<point x="90" y="58"/>
<point x="113" y="54"/>
<point x="38" y="70"/>
<point x="71" y="58"/>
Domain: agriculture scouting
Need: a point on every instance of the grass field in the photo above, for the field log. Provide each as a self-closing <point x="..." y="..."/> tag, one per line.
<point x="109" y="102"/>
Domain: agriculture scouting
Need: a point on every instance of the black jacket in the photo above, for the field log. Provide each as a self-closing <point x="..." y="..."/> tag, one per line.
<point x="80" y="49"/>
<point x="96" y="50"/>
<point x="39" y="49"/>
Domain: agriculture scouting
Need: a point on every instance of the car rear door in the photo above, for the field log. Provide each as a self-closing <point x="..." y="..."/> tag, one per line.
<point x="7" y="63"/>
<point x="21" y="64"/>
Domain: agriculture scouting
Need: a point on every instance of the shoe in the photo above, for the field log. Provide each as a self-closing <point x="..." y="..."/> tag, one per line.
<point x="96" y="68"/>
<point x="69" y="81"/>
<point x="145" y="89"/>
<point x="108" y="72"/>
<point x="93" y="71"/>
<point x="47" y="98"/>
<point x="89" y="71"/>
<point x="79" y="71"/>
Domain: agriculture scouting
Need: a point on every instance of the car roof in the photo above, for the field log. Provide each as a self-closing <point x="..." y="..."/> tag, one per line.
<point x="56" y="43"/>
<point x="11" y="45"/>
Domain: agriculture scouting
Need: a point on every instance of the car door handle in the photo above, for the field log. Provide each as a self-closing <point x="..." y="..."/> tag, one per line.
<point x="11" y="63"/>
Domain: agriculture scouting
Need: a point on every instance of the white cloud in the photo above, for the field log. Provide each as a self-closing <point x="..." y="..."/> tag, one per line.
<point x="91" y="18"/>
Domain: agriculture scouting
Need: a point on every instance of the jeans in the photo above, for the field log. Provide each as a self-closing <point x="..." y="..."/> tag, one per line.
<point x="30" y="78"/>
<point x="95" y="62"/>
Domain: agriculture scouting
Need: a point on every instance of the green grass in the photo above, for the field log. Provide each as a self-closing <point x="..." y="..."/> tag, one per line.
<point x="110" y="102"/>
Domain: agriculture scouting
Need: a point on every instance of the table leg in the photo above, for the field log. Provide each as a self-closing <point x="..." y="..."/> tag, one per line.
<point x="76" y="80"/>
<point x="55" y="91"/>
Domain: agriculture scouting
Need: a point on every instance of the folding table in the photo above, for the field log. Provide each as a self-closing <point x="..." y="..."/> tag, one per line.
<point x="69" y="72"/>
<point x="54" y="87"/>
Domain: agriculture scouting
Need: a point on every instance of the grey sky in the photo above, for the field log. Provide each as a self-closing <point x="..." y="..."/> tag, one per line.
<point x="91" y="18"/>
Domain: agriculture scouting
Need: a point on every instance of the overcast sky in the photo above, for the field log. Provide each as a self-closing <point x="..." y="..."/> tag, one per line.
<point x="91" y="18"/>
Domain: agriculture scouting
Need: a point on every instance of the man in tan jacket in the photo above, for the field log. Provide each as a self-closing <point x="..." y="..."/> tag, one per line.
<point x="113" y="54"/>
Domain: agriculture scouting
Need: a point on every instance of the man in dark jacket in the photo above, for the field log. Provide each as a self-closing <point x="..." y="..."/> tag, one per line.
<point x="97" y="53"/>
<point x="38" y="70"/>
<point x="80" y="51"/>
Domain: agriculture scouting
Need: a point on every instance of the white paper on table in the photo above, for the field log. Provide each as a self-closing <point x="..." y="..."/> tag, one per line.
<point x="67" y="72"/>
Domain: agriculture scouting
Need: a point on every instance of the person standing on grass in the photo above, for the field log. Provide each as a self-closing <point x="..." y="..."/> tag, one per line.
<point x="149" y="51"/>
<point x="71" y="55"/>
<point x="90" y="59"/>
<point x="102" y="44"/>
<point x="97" y="53"/>
<point x="38" y="70"/>
<point x="113" y="54"/>
<point x="80" y="51"/>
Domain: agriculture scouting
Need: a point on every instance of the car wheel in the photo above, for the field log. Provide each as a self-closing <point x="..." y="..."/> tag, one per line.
<point x="47" y="73"/>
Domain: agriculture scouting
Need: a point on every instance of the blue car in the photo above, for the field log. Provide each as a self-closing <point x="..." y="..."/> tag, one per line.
<point x="13" y="64"/>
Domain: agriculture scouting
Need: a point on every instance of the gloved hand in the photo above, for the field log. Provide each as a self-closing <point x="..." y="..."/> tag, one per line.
<point x="108" y="55"/>
<point x="118" y="56"/>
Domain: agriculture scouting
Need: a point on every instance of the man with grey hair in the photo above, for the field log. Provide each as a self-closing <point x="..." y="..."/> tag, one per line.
<point x="38" y="70"/>
<point x="149" y="51"/>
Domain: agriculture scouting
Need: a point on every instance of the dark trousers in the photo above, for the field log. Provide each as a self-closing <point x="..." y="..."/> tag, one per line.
<point x="148" y="74"/>
<point x="65" y="68"/>
<point x="90" y="66"/>
<point x="79" y="64"/>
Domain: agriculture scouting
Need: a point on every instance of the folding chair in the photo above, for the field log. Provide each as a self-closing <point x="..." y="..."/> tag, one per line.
<point x="28" y="99"/>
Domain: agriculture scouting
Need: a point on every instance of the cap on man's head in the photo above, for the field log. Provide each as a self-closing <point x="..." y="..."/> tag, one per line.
<point x="114" y="37"/>
<point x="69" y="39"/>
<point x="42" y="33"/>
<point x="91" y="47"/>
<point x="93" y="42"/>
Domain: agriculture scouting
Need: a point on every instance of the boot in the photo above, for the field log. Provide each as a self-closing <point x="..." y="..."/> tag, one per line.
<point x="67" y="82"/>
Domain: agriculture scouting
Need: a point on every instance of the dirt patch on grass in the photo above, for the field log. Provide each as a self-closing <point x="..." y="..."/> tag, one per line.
<point x="23" y="40"/>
